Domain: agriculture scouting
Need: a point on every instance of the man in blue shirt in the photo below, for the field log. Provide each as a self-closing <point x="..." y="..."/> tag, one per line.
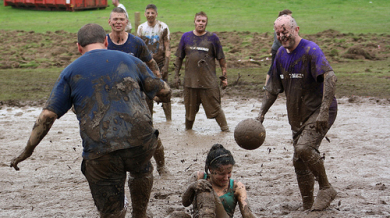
<point x="301" y="71"/>
<point x="107" y="90"/>
<point x="120" y="40"/>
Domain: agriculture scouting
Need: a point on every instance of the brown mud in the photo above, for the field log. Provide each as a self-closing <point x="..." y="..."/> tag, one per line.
<point x="50" y="183"/>
<point x="22" y="49"/>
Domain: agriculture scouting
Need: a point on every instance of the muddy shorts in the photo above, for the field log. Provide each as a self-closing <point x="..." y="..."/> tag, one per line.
<point x="106" y="175"/>
<point x="307" y="134"/>
<point x="209" y="98"/>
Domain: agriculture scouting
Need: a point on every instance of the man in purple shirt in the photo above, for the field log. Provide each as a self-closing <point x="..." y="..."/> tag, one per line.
<point x="201" y="48"/>
<point x="303" y="73"/>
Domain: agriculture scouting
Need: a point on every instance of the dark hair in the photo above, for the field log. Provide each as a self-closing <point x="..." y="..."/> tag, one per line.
<point x="218" y="156"/>
<point x="284" y="12"/>
<point x="151" y="6"/>
<point x="90" y="33"/>
<point x="118" y="10"/>
<point x="201" y="13"/>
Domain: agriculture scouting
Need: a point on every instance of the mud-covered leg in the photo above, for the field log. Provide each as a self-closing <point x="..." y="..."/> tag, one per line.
<point x="305" y="182"/>
<point x="221" y="120"/>
<point x="159" y="156"/>
<point x="206" y="204"/>
<point x="306" y="149"/>
<point x="140" y="187"/>
<point x="167" y="111"/>
<point x="189" y="124"/>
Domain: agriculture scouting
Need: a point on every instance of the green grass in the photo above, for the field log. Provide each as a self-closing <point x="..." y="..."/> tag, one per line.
<point x="357" y="16"/>
<point x="27" y="84"/>
<point x="364" y="78"/>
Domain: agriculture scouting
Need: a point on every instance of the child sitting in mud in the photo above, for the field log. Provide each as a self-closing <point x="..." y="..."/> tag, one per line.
<point x="213" y="193"/>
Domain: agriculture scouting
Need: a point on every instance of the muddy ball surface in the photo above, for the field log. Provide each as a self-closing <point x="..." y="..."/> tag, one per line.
<point x="249" y="134"/>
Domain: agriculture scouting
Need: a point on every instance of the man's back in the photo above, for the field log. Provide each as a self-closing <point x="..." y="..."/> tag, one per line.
<point x="106" y="88"/>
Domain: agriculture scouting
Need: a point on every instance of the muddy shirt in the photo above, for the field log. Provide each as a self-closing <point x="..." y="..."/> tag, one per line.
<point x="106" y="88"/>
<point x="133" y="46"/>
<point x="229" y="201"/>
<point x="298" y="74"/>
<point x="200" y="53"/>
<point x="154" y="37"/>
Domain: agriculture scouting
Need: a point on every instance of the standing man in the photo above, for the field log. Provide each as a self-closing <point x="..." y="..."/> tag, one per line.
<point x="120" y="40"/>
<point x="201" y="48"/>
<point x="157" y="37"/>
<point x="117" y="4"/>
<point x="302" y="71"/>
<point x="107" y="90"/>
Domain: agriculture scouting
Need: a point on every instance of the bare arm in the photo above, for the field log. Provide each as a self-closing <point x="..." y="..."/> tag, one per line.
<point x="153" y="66"/>
<point x="242" y="198"/>
<point x="178" y="63"/>
<point x="222" y="64"/>
<point x="41" y="128"/>
<point x="268" y="101"/>
<point x="327" y="98"/>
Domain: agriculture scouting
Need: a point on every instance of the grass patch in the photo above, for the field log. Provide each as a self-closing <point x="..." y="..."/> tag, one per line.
<point x="358" y="16"/>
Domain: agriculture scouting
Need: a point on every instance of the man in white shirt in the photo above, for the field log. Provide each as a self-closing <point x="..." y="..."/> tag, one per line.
<point x="157" y="37"/>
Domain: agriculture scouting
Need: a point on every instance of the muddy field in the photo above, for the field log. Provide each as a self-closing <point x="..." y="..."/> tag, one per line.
<point x="21" y="49"/>
<point x="50" y="183"/>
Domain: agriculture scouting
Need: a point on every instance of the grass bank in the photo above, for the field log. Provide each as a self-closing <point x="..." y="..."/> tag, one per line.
<point x="356" y="16"/>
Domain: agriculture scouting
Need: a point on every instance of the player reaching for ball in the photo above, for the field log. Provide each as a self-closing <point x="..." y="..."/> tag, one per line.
<point x="213" y="193"/>
<point x="303" y="73"/>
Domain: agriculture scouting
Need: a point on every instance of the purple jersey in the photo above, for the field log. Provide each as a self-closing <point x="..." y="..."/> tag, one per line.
<point x="299" y="75"/>
<point x="201" y="52"/>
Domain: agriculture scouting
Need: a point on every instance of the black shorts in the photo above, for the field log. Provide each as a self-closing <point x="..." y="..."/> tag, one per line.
<point x="106" y="175"/>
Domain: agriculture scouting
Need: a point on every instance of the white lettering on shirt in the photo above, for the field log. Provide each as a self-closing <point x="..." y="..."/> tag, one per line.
<point x="293" y="76"/>
<point x="199" y="48"/>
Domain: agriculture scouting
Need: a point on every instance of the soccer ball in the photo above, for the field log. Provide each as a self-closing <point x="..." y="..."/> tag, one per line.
<point x="249" y="134"/>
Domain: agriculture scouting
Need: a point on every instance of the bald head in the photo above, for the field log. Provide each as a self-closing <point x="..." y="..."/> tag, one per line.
<point x="287" y="32"/>
<point x="286" y="21"/>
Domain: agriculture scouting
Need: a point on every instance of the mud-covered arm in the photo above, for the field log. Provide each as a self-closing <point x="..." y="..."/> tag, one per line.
<point x="164" y="95"/>
<point x="329" y="91"/>
<point x="242" y="198"/>
<point x="177" y="64"/>
<point x="268" y="101"/>
<point x="222" y="64"/>
<point x="189" y="193"/>
<point x="167" y="47"/>
<point x="41" y="128"/>
<point x="153" y="66"/>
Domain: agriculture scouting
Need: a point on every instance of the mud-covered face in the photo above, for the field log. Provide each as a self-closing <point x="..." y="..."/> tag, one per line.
<point x="286" y="35"/>
<point x="118" y="21"/>
<point x="151" y="15"/>
<point x="200" y="23"/>
<point x="221" y="175"/>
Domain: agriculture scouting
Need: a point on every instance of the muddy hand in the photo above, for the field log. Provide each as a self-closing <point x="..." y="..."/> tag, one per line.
<point x="260" y="118"/>
<point x="202" y="185"/>
<point x="322" y="122"/>
<point x="177" y="82"/>
<point x="223" y="82"/>
<point x="157" y="99"/>
<point x="14" y="163"/>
